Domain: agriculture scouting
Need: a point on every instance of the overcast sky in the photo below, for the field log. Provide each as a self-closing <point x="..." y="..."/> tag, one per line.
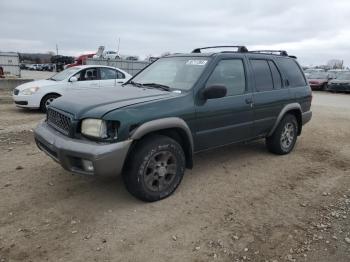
<point x="313" y="30"/>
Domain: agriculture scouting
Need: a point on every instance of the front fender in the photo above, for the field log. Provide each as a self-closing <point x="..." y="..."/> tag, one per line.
<point x="160" y="124"/>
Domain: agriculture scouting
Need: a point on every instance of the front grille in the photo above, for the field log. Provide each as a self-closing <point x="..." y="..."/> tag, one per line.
<point x="16" y="92"/>
<point x="59" y="121"/>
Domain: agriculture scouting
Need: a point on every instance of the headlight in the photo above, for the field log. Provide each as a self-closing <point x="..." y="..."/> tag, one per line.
<point x="30" y="91"/>
<point x="94" y="128"/>
<point x="99" y="128"/>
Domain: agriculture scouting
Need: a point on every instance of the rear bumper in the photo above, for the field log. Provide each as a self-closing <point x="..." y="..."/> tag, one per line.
<point x="106" y="159"/>
<point x="306" y="117"/>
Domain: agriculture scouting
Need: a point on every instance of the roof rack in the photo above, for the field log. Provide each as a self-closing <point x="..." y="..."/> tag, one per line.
<point x="271" y="52"/>
<point x="240" y="48"/>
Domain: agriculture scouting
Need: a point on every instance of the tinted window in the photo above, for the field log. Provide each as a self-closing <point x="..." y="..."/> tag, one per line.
<point x="229" y="73"/>
<point x="292" y="71"/>
<point x="277" y="80"/>
<point x="262" y="73"/>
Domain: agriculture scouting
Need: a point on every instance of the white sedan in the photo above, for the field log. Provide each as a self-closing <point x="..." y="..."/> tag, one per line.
<point x="39" y="94"/>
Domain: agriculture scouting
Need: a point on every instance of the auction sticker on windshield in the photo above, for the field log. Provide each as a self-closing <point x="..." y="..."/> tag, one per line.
<point x="196" y="62"/>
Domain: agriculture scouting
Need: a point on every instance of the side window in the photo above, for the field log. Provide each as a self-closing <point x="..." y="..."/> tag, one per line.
<point x="292" y="71"/>
<point x="107" y="73"/>
<point x="277" y="80"/>
<point x="229" y="73"/>
<point x="120" y="75"/>
<point x="262" y="73"/>
<point x="87" y="75"/>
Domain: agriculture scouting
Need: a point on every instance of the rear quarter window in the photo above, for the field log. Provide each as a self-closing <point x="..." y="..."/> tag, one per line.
<point x="292" y="71"/>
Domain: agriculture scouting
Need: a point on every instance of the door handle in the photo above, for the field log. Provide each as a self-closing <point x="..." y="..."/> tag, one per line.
<point x="120" y="82"/>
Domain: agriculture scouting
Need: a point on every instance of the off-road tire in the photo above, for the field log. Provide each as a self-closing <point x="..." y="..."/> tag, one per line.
<point x="140" y="173"/>
<point x="277" y="143"/>
<point x="44" y="101"/>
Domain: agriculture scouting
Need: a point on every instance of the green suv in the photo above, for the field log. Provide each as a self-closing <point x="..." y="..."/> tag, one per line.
<point x="149" y="128"/>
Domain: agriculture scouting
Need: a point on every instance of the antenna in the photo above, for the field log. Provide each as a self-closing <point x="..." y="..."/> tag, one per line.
<point x="118" y="46"/>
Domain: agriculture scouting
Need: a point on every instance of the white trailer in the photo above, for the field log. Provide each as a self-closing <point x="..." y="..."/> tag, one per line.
<point x="9" y="61"/>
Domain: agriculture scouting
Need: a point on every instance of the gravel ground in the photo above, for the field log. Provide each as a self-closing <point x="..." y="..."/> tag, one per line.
<point x="239" y="203"/>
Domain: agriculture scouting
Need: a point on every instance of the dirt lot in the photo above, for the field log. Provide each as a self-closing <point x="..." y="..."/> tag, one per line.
<point x="238" y="203"/>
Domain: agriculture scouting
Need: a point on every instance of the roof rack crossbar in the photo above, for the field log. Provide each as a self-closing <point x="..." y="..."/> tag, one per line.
<point x="280" y="52"/>
<point x="240" y="48"/>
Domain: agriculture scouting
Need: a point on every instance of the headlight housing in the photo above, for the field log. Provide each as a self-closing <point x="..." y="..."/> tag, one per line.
<point x="30" y="91"/>
<point x="98" y="128"/>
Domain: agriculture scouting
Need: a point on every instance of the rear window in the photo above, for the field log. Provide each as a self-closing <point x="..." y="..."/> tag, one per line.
<point x="292" y="72"/>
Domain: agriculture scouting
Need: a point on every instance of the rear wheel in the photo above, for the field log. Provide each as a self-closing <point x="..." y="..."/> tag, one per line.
<point x="155" y="168"/>
<point x="46" y="101"/>
<point x="284" y="137"/>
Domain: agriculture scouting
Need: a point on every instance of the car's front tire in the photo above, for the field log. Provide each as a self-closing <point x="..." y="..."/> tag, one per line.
<point x="283" y="139"/>
<point x="154" y="168"/>
<point x="46" y="101"/>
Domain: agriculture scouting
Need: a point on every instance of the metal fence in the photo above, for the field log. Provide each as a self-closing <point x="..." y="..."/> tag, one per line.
<point x="10" y="64"/>
<point x="132" y="67"/>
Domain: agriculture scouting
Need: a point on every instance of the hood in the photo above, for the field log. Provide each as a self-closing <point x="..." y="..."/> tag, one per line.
<point x="39" y="83"/>
<point x="98" y="102"/>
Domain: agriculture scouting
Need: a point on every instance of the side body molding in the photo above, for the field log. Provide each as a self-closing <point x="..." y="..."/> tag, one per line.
<point x="163" y="123"/>
<point x="284" y="110"/>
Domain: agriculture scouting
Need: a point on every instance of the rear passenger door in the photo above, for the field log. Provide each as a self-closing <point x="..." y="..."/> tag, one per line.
<point x="269" y="95"/>
<point x="228" y="119"/>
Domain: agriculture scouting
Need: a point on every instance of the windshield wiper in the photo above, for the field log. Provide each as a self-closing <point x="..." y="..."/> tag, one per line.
<point x="134" y="83"/>
<point x="51" y="79"/>
<point x="160" y="86"/>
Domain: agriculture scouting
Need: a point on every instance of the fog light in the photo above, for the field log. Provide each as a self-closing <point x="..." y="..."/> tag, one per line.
<point x="87" y="165"/>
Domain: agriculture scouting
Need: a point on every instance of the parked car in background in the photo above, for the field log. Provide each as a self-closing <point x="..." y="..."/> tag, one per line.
<point x="333" y="73"/>
<point x="108" y="55"/>
<point x="313" y="70"/>
<point x="39" y="94"/>
<point x="80" y="60"/>
<point x="319" y="80"/>
<point x="149" y="129"/>
<point x="47" y="67"/>
<point x="341" y="83"/>
<point x="37" y="67"/>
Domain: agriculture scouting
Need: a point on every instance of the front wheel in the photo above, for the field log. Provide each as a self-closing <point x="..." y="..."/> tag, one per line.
<point x="46" y="101"/>
<point x="284" y="137"/>
<point x="155" y="168"/>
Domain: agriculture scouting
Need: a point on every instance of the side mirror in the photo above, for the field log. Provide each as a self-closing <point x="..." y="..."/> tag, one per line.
<point x="214" y="91"/>
<point x="73" y="79"/>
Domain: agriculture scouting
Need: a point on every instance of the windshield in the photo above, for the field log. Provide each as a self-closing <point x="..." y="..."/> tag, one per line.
<point x="343" y="76"/>
<point x="64" y="74"/>
<point x="317" y="76"/>
<point x="175" y="72"/>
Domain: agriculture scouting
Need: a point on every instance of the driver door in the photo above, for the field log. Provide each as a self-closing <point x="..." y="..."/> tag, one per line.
<point x="228" y="119"/>
<point x="87" y="78"/>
